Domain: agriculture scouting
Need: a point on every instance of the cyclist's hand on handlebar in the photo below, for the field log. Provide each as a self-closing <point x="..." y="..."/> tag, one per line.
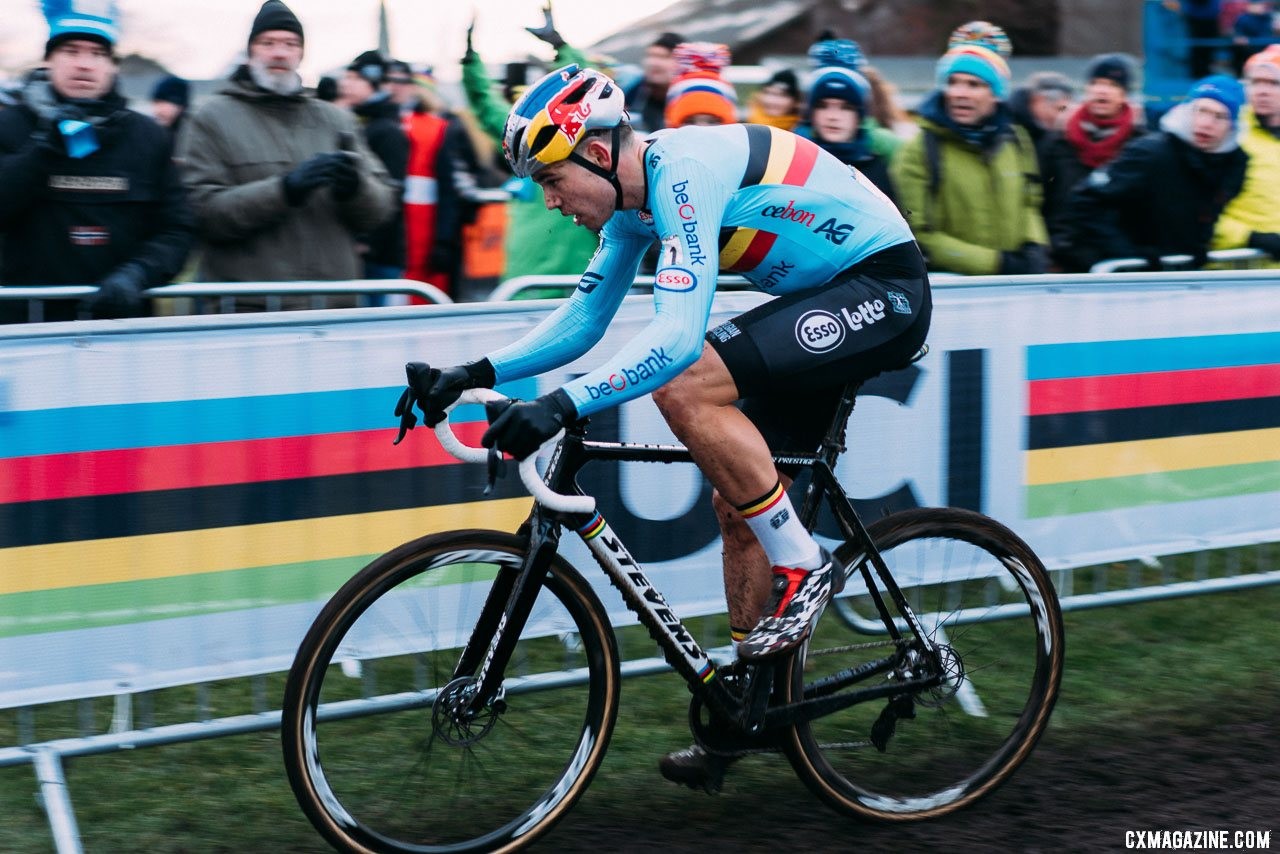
<point x="436" y="389"/>
<point x="523" y="426"/>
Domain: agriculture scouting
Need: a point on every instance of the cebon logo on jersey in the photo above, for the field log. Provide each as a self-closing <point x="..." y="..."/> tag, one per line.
<point x="676" y="279"/>
<point x="819" y="331"/>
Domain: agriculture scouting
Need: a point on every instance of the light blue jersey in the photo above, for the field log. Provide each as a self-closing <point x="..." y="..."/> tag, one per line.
<point x="749" y="199"/>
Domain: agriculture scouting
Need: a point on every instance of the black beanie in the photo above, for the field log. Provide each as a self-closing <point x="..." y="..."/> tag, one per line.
<point x="172" y="89"/>
<point x="371" y="66"/>
<point x="668" y="41"/>
<point x="786" y="78"/>
<point x="1115" y="67"/>
<point x="274" y="15"/>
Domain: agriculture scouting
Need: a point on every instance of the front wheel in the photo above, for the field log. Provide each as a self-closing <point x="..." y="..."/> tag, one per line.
<point x="381" y="747"/>
<point x="985" y="603"/>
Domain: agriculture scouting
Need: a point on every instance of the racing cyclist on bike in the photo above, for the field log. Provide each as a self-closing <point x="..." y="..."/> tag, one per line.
<point x="851" y="300"/>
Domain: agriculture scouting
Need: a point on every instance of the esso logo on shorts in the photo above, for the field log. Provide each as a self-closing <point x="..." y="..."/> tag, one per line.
<point x="675" y="279"/>
<point x="819" y="331"/>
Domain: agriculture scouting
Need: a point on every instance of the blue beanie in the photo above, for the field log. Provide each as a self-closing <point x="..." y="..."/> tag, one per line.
<point x="844" y="52"/>
<point x="843" y="83"/>
<point x="983" y="63"/>
<point x="94" y="20"/>
<point x="172" y="89"/>
<point x="1227" y="91"/>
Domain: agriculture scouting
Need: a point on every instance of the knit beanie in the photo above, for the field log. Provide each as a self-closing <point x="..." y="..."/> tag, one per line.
<point x="842" y="83"/>
<point x="1227" y="91"/>
<point x="172" y="89"/>
<point x="1115" y="67"/>
<point x="699" y="88"/>
<point x="984" y="33"/>
<point x="1268" y="59"/>
<point x="371" y="66"/>
<point x="841" y="52"/>
<point x="786" y="78"/>
<point x="274" y="15"/>
<point x="93" y="20"/>
<point x="983" y="63"/>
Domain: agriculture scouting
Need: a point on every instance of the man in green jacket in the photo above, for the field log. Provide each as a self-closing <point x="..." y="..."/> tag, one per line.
<point x="281" y="183"/>
<point x="969" y="183"/>
<point x="538" y="241"/>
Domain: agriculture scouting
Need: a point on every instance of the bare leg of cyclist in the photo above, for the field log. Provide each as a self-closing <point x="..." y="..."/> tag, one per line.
<point x="699" y="407"/>
<point x="747" y="578"/>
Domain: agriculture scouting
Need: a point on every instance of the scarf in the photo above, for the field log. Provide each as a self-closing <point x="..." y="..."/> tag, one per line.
<point x="1098" y="141"/>
<point x="984" y="136"/>
<point x="757" y="116"/>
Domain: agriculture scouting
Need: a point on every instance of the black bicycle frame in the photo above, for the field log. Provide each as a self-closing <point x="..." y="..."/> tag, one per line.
<point x="511" y="599"/>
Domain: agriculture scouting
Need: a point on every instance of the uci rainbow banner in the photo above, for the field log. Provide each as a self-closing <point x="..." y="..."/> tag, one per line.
<point x="179" y="496"/>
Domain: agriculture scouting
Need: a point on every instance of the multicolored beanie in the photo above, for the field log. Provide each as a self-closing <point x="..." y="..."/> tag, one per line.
<point x="844" y="53"/>
<point x="982" y="62"/>
<point x="699" y="89"/>
<point x="1268" y="59"/>
<point x="984" y="33"/>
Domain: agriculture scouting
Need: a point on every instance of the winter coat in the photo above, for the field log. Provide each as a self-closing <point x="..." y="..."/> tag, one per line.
<point x="986" y="199"/>
<point x="73" y="221"/>
<point x="385" y="134"/>
<point x="1161" y="196"/>
<point x="1257" y="207"/>
<point x="234" y="153"/>
<point x="1061" y="172"/>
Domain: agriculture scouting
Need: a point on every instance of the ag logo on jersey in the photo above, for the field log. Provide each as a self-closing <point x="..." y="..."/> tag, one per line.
<point x="675" y="279"/>
<point x="672" y="253"/>
<point x="819" y="331"/>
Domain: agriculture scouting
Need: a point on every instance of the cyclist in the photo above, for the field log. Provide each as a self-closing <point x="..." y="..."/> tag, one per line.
<point x="851" y="299"/>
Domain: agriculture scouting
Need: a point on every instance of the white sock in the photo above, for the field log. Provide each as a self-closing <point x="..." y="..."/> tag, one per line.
<point x="775" y="524"/>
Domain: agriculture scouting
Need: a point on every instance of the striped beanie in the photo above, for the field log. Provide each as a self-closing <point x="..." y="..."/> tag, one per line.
<point x="94" y="20"/>
<point x="984" y="33"/>
<point x="983" y="63"/>
<point x="699" y="89"/>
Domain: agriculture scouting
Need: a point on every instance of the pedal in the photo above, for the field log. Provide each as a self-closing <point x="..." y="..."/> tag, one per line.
<point x="898" y="708"/>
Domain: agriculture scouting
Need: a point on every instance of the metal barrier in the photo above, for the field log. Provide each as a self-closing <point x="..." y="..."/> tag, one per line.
<point x="562" y="286"/>
<point x="228" y="291"/>
<point x="1242" y="259"/>
<point x="1078" y="590"/>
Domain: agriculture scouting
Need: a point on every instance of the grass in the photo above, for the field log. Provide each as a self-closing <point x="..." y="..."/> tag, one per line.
<point x="1125" y="668"/>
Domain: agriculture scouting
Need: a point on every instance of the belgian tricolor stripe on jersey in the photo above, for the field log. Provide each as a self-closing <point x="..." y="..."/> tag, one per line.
<point x="774" y="157"/>
<point x="1115" y="424"/>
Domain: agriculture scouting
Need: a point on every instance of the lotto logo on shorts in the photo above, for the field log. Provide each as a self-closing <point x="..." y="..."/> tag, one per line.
<point x="819" y="331"/>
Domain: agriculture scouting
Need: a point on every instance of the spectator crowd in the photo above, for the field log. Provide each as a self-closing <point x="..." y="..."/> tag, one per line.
<point x="373" y="176"/>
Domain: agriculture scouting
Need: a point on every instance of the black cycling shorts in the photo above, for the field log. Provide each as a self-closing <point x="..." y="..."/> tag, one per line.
<point x="792" y="356"/>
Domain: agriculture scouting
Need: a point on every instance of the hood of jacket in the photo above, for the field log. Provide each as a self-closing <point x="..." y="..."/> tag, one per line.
<point x="1178" y="121"/>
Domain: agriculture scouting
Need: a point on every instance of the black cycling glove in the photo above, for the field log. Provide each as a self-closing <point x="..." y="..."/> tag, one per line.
<point x="523" y="427"/>
<point x="435" y="389"/>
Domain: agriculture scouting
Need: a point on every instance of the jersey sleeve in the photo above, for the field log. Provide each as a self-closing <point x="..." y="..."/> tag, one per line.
<point x="688" y="203"/>
<point x="575" y="327"/>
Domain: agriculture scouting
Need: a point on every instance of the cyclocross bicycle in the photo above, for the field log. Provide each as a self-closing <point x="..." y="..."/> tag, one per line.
<point x="459" y="692"/>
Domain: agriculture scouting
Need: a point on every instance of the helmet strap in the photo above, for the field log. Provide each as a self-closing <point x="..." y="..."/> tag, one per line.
<point x="610" y="175"/>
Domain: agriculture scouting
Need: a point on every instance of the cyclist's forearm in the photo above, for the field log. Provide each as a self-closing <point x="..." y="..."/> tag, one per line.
<point x="567" y="333"/>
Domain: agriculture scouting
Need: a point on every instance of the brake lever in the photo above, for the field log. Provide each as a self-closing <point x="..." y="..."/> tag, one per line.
<point x="497" y="466"/>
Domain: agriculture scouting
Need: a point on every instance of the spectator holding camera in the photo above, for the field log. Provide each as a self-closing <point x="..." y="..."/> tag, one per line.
<point x="1165" y="191"/>
<point x="1253" y="218"/>
<point x="88" y="191"/>
<point x="281" y="183"/>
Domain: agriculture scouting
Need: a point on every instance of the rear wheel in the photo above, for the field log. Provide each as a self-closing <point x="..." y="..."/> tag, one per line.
<point x="985" y="601"/>
<point x="381" y="751"/>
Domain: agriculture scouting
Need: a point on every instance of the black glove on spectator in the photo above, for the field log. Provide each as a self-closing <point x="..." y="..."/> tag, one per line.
<point x="471" y="52"/>
<point x="443" y="257"/>
<point x="523" y="427"/>
<point x="309" y="176"/>
<point x="435" y="389"/>
<point x="1027" y="260"/>
<point x="346" y="177"/>
<point x="119" y="294"/>
<point x="1268" y="242"/>
<point x="547" y="32"/>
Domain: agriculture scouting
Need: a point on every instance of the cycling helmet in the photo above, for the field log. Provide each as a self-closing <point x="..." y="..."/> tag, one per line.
<point x="554" y="114"/>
